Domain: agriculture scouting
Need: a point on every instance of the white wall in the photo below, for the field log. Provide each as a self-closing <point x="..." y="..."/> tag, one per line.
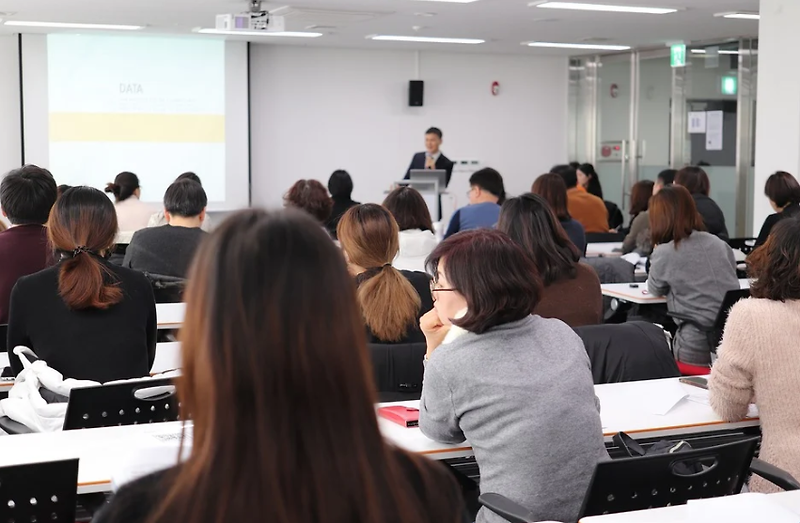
<point x="10" y="136"/>
<point x="317" y="110"/>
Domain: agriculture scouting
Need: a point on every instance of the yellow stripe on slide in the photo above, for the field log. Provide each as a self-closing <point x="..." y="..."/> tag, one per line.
<point x="158" y="128"/>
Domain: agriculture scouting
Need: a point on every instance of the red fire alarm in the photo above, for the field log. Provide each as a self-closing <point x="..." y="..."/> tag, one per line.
<point x="495" y="88"/>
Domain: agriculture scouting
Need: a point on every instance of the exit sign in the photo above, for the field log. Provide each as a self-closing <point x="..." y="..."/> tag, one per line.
<point x="730" y="85"/>
<point x="677" y="55"/>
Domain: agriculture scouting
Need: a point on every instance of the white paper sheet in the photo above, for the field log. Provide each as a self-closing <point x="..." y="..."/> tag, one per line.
<point x="744" y="508"/>
<point x="714" y="121"/>
<point x="697" y="122"/>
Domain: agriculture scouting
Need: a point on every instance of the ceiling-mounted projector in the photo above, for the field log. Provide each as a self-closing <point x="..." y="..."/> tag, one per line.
<point x="252" y="21"/>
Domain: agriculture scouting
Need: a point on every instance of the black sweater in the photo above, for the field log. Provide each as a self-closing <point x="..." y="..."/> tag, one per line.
<point x="422" y="284"/>
<point x="790" y="211"/>
<point x="92" y="344"/>
<point x="712" y="215"/>
<point x="165" y="250"/>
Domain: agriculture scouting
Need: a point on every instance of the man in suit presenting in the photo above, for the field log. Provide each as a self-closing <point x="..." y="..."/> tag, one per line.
<point x="432" y="158"/>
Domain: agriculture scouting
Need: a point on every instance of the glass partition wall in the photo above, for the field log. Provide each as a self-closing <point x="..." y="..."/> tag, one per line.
<point x="634" y="114"/>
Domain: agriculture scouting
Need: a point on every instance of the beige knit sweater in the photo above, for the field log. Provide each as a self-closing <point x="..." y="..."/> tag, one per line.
<point x="759" y="357"/>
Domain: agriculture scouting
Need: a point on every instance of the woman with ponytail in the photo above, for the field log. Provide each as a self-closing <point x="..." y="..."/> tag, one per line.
<point x="132" y="213"/>
<point x="87" y="318"/>
<point x="391" y="301"/>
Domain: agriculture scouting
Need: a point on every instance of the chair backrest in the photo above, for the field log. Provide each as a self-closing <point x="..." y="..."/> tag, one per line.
<point x="166" y="289"/>
<point x="41" y="492"/>
<point x="398" y="370"/>
<point x="628" y="484"/>
<point x="730" y="299"/>
<point x="746" y="245"/>
<point x="631" y="351"/>
<point x="604" y="237"/>
<point x="128" y="403"/>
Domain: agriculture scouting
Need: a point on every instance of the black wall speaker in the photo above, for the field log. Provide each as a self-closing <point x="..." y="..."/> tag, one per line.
<point x="416" y="93"/>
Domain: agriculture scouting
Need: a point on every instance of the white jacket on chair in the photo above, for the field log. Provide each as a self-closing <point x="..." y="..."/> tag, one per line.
<point x="415" y="246"/>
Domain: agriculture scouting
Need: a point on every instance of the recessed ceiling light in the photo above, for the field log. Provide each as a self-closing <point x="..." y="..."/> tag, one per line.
<point x="739" y="16"/>
<point x="577" y="6"/>
<point x="595" y="47"/>
<point x="65" y="25"/>
<point x="426" y="39"/>
<point x="287" y="34"/>
<point x="721" y="51"/>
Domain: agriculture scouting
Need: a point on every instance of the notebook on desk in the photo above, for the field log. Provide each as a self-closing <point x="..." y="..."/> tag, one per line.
<point x="405" y="416"/>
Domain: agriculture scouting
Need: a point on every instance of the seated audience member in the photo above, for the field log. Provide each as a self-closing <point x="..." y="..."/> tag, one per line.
<point x="312" y="197"/>
<point x="757" y="359"/>
<point x="413" y="217"/>
<point x="88" y="319"/>
<point x="132" y="213"/>
<point x="695" y="180"/>
<point x="589" y="180"/>
<point x="275" y="380"/>
<point x="340" y="185"/>
<point x="62" y="189"/>
<point x="158" y="219"/>
<point x="26" y="197"/>
<point x="587" y="209"/>
<point x="168" y="250"/>
<point x="391" y="301"/>
<point x="638" y="237"/>
<point x="486" y="194"/>
<point x="518" y="387"/>
<point x="552" y="188"/>
<point x="692" y="268"/>
<point x="571" y="289"/>
<point x="783" y="192"/>
<point x="664" y="179"/>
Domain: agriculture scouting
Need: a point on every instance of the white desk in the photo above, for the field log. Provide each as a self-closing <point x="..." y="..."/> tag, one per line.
<point x="680" y="514"/>
<point x="170" y="315"/>
<point x="639" y="294"/>
<point x="604" y="250"/>
<point x="618" y="412"/>
<point x="101" y="451"/>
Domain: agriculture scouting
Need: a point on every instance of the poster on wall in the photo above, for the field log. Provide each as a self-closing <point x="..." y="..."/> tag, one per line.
<point x="714" y="130"/>
<point x="697" y="122"/>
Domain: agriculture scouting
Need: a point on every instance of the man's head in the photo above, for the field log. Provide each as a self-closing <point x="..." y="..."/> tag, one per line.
<point x="27" y="194"/>
<point x="568" y="173"/>
<point x="433" y="140"/>
<point x="184" y="201"/>
<point x="665" y="178"/>
<point x="486" y="185"/>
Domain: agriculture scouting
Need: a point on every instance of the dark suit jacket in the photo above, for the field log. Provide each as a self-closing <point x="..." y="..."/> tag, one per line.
<point x="418" y="162"/>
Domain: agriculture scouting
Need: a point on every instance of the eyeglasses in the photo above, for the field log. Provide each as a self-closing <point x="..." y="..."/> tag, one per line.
<point x="434" y="288"/>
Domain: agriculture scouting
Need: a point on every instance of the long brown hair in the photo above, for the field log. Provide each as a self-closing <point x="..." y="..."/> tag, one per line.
<point x="694" y="179"/>
<point x="775" y="266"/>
<point x="640" y="196"/>
<point x="673" y="215"/>
<point x="389" y="303"/>
<point x="278" y="382"/>
<point x="552" y="188"/>
<point x="81" y="229"/>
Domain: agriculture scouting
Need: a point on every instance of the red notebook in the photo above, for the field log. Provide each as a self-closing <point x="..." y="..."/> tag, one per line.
<point x="405" y="416"/>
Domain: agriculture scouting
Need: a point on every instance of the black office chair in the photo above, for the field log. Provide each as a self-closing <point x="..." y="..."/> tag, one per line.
<point x="628" y="484"/>
<point x="118" y="253"/>
<point x="39" y="492"/>
<point x="129" y="403"/>
<point x="166" y="289"/>
<point x="604" y="237"/>
<point x="746" y="245"/>
<point x="714" y="332"/>
<point x="398" y="370"/>
<point x="615" y="217"/>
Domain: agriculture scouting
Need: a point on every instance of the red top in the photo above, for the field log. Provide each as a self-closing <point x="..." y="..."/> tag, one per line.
<point x="23" y="250"/>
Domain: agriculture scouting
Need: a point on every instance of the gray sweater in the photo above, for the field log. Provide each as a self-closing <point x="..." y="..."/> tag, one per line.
<point x="165" y="250"/>
<point x="694" y="277"/>
<point x="522" y="395"/>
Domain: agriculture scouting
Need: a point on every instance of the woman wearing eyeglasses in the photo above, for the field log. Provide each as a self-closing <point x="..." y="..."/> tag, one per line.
<point x="517" y="387"/>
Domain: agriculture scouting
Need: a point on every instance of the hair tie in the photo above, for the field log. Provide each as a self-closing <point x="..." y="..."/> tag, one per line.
<point x="82" y="248"/>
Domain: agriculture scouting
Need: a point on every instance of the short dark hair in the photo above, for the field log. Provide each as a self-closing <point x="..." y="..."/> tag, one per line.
<point x="529" y="221"/>
<point x="63" y="188"/>
<point x="782" y="188"/>
<point x="667" y="176"/>
<point x="567" y="173"/>
<point x="552" y="188"/>
<point x="123" y="186"/>
<point x="673" y="215"/>
<point x="490" y="180"/>
<point x="775" y="266"/>
<point x="640" y="196"/>
<point x="472" y="262"/>
<point x="575" y="165"/>
<point x="27" y="194"/>
<point x="185" y="198"/>
<point x="694" y="179"/>
<point x="189" y="175"/>
<point x="594" y="186"/>
<point x="312" y="197"/>
<point x="340" y="184"/>
<point x="409" y="209"/>
<point x="436" y="131"/>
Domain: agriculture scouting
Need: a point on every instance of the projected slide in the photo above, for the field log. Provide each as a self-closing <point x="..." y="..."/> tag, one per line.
<point x="151" y="105"/>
